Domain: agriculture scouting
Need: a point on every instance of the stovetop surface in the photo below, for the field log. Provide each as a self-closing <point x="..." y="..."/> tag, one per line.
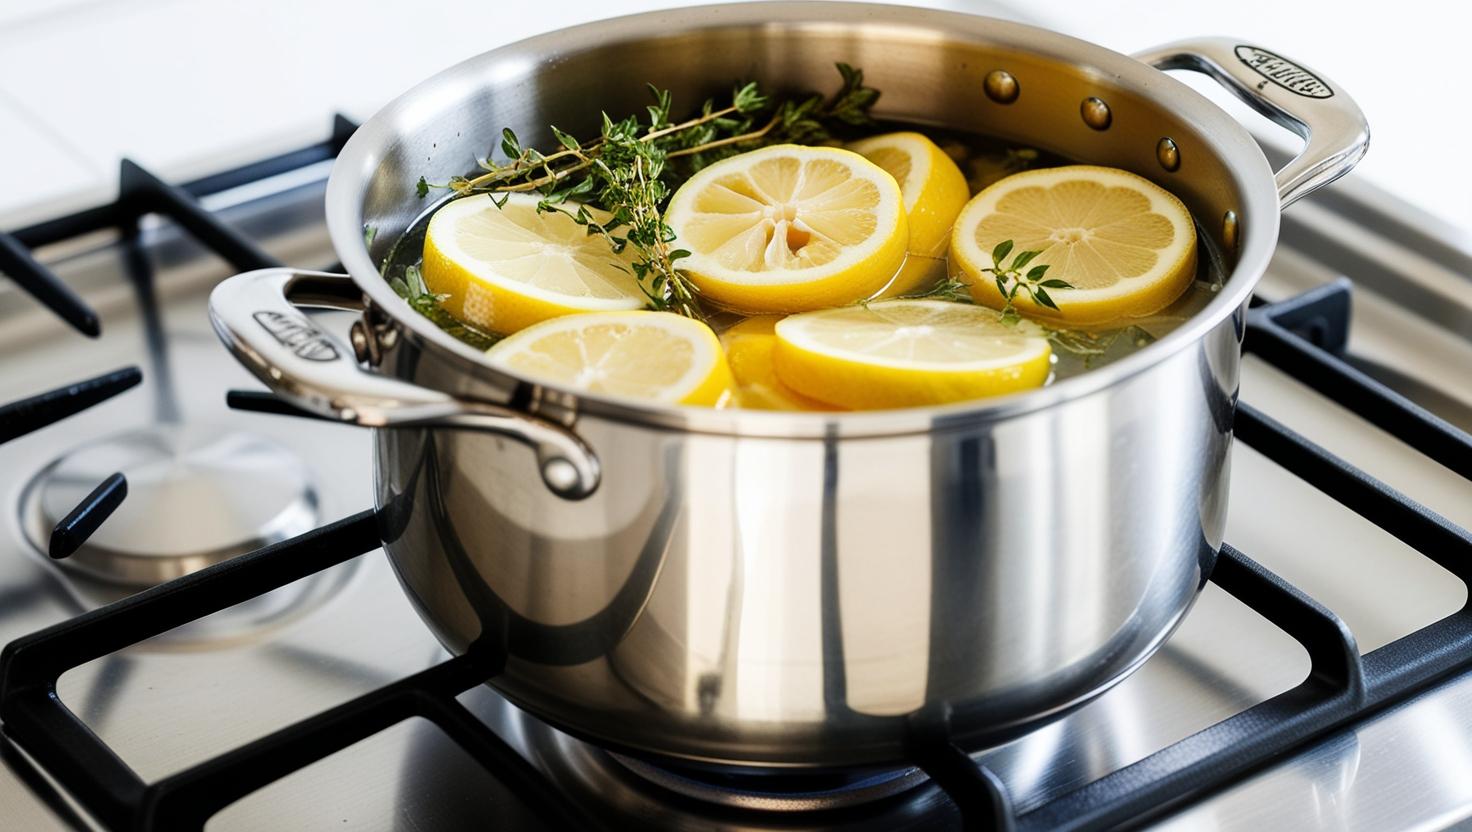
<point x="213" y="685"/>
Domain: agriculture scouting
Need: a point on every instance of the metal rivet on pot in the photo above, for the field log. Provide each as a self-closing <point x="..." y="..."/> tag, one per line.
<point x="364" y="346"/>
<point x="1096" y="113"/>
<point x="1001" y="86"/>
<point x="1229" y="230"/>
<point x="383" y="329"/>
<point x="1168" y="154"/>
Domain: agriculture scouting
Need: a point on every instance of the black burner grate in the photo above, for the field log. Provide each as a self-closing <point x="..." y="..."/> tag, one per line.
<point x="1304" y="336"/>
<point x="139" y="193"/>
<point x="22" y="417"/>
<point x="37" y="720"/>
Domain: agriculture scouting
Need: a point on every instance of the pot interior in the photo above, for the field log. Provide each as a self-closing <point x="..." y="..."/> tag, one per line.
<point x="931" y="68"/>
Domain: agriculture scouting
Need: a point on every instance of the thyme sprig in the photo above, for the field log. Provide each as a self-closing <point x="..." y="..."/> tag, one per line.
<point x="1085" y="344"/>
<point x="1012" y="279"/>
<point x="1035" y="283"/>
<point x="629" y="169"/>
<point x="411" y="288"/>
<point x="1091" y="345"/>
<point x="528" y="169"/>
<point x="628" y="178"/>
<point x="949" y="289"/>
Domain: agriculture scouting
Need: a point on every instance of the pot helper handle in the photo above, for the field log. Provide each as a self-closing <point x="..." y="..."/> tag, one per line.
<point x="1303" y="100"/>
<point x="257" y="314"/>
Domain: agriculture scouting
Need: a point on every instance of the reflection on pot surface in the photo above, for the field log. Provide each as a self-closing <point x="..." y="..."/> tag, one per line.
<point x="780" y="586"/>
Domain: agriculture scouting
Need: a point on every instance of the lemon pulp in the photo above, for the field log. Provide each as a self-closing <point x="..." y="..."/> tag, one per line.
<point x="1126" y="245"/>
<point x="789" y="228"/>
<point x="657" y="356"/>
<point x="504" y="269"/>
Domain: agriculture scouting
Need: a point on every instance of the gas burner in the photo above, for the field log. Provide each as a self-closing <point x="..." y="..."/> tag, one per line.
<point x="197" y="495"/>
<point x="623" y="792"/>
<point x="779" y="791"/>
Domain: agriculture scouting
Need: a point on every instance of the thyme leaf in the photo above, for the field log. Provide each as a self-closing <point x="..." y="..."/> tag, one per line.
<point x="1012" y="279"/>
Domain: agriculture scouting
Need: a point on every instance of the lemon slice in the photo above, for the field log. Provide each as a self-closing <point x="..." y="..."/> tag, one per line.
<point x="507" y="268"/>
<point x="934" y="192"/>
<point x="788" y="228"/>
<point x="648" y="355"/>
<point x="904" y="353"/>
<point x="749" y="345"/>
<point x="1126" y="245"/>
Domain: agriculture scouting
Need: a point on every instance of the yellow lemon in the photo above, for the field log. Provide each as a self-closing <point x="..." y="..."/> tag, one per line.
<point x="934" y="192"/>
<point x="789" y="228"/>
<point x="507" y="268"/>
<point x="1126" y="245"/>
<point x="658" y="356"/>
<point x="906" y="353"/>
<point x="749" y="345"/>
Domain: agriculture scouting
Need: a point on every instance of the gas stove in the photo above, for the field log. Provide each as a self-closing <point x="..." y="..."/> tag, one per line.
<point x="201" y="628"/>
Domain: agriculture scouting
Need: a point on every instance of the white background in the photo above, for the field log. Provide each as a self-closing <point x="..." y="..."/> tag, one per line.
<point x="186" y="87"/>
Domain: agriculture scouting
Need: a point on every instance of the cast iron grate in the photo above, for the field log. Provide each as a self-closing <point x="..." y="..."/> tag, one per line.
<point x="35" y="412"/>
<point x="1303" y="336"/>
<point x="1341" y="688"/>
<point x="140" y="193"/>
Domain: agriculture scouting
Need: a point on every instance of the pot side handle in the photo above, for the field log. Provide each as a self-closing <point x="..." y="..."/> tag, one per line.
<point x="1334" y="129"/>
<point x="258" y="317"/>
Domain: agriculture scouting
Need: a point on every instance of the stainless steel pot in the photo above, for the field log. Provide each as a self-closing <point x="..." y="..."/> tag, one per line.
<point x="797" y="589"/>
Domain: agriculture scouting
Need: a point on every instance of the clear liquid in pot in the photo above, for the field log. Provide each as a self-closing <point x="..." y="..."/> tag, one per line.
<point x="984" y="160"/>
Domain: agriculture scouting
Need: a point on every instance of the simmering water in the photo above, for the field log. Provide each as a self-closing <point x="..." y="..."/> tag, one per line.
<point x="984" y="160"/>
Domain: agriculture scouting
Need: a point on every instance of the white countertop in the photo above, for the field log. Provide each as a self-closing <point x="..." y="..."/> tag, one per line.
<point x="188" y="87"/>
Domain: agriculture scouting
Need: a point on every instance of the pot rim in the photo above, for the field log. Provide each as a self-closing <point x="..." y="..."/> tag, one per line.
<point x="1259" y="210"/>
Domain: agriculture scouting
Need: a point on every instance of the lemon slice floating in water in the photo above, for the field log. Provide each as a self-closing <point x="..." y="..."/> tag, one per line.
<point x="658" y="356"/>
<point x="934" y="192"/>
<point x="789" y="228"/>
<point x="906" y="353"/>
<point x="749" y="345"/>
<point x="1127" y="245"/>
<point x="507" y="268"/>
